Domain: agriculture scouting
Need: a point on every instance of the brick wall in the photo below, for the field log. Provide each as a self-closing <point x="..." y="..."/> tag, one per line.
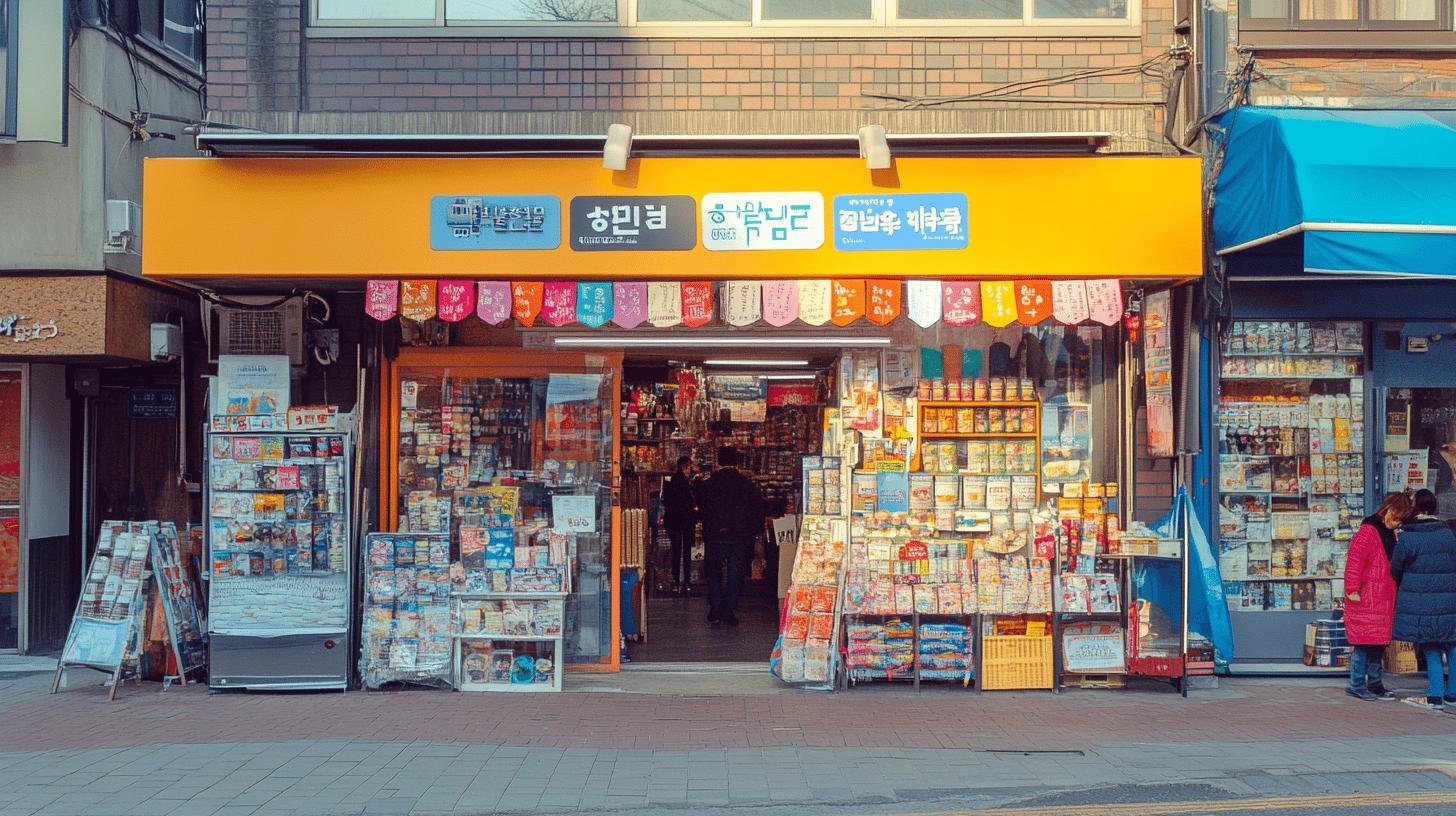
<point x="1352" y="80"/>
<point x="1152" y="488"/>
<point x="259" y="63"/>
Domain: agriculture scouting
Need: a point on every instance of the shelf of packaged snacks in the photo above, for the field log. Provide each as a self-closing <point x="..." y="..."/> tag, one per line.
<point x="979" y="404"/>
<point x="505" y="637"/>
<point x="1140" y="555"/>
<point x="510" y="596"/>
<point x="1348" y="353"/>
<point x="1345" y="376"/>
<point x="970" y="435"/>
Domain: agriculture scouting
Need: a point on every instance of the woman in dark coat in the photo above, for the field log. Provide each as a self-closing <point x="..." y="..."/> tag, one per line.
<point x="1424" y="568"/>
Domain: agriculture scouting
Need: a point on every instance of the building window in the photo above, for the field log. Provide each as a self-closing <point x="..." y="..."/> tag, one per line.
<point x="7" y="69"/>
<point x="175" y="26"/>
<point x="728" y="17"/>
<point x="1346" y="15"/>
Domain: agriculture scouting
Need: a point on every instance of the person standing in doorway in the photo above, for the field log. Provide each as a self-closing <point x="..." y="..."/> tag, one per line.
<point x="732" y="510"/>
<point x="1424" y="568"/>
<point x="680" y="518"/>
<point x="1370" y="596"/>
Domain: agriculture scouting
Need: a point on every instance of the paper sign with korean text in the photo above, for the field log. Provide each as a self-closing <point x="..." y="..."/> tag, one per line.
<point x="905" y="221"/>
<point x="882" y="301"/>
<point x="629" y="304"/>
<point x="998" y="303"/>
<point x="493" y="302"/>
<point x="417" y="300"/>
<point x="961" y="304"/>
<point x="526" y="300"/>
<point x="381" y="299"/>
<point x="697" y="303"/>
<point x="574" y="514"/>
<point x="593" y="304"/>
<point x="558" y="303"/>
<point x="745" y="397"/>
<point x="626" y="223"/>
<point x="923" y="301"/>
<point x="757" y="221"/>
<point x="462" y="222"/>
<point x="780" y="394"/>
<point x="1033" y="301"/>
<point x="455" y="300"/>
<point x="1069" y="301"/>
<point x="847" y="302"/>
<point x="780" y="303"/>
<point x="814" y="300"/>
<point x="742" y="303"/>
<point x="664" y="304"/>
<point x="1104" y="301"/>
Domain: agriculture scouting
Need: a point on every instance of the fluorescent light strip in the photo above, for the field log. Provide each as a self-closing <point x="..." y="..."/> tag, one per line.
<point x="749" y="363"/>
<point x="690" y="341"/>
<point x="787" y="376"/>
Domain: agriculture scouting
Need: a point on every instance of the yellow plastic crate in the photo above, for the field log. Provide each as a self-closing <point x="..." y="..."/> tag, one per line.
<point x="1016" y="662"/>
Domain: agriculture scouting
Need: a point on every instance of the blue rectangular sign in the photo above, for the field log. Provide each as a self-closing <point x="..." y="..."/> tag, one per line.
<point x="495" y="222"/>
<point x="872" y="221"/>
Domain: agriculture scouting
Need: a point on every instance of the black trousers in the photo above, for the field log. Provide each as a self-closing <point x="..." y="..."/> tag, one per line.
<point x="725" y="565"/>
<point x="681" y="554"/>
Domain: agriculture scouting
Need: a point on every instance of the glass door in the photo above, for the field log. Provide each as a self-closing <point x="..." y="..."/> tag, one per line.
<point x="11" y="419"/>
<point x="1418" y="443"/>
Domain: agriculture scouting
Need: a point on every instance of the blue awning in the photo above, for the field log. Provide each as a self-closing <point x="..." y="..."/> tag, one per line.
<point x="1371" y="192"/>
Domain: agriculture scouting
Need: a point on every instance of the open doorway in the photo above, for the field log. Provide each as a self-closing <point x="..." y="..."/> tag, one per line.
<point x="684" y="421"/>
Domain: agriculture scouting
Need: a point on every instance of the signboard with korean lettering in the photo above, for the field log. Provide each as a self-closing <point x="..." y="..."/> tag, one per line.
<point x="906" y="221"/>
<point x="608" y="223"/>
<point x="495" y="222"/>
<point x="152" y="403"/>
<point x="755" y="221"/>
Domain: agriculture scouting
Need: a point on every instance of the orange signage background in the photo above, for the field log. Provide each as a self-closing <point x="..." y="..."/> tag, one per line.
<point x="1046" y="218"/>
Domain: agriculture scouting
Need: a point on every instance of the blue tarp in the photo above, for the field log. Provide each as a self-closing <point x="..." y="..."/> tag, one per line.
<point x="1161" y="582"/>
<point x="1372" y="191"/>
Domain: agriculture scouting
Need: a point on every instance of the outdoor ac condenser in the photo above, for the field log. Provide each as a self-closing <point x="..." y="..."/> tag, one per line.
<point x="275" y="330"/>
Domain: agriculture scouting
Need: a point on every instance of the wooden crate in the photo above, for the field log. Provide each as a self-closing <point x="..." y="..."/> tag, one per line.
<point x="1016" y="662"/>
<point x="1094" y="681"/>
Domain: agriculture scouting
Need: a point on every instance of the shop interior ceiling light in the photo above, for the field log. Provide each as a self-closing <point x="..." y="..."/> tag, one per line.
<point x="748" y="363"/>
<point x="689" y="341"/>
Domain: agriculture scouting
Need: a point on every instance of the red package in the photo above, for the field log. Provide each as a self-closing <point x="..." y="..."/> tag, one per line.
<point x="796" y="626"/>
<point x="801" y="600"/>
<point x="824" y="598"/>
<point x="821" y="627"/>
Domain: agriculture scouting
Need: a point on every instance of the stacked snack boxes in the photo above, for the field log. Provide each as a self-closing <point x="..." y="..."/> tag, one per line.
<point x="806" y="647"/>
<point x="407" y="627"/>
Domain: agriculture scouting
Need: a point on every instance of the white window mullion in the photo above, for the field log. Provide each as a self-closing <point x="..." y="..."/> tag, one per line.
<point x="756" y="16"/>
<point x="440" y="12"/>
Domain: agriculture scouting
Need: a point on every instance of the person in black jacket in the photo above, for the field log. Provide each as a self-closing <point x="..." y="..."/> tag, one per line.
<point x="732" y="510"/>
<point x="1424" y="568"/>
<point x="680" y="519"/>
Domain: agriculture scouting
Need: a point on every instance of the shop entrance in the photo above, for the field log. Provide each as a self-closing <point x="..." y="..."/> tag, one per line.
<point x="11" y="418"/>
<point x="683" y="419"/>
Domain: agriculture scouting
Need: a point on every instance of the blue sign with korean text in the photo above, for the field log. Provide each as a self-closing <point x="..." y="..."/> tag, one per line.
<point x="495" y="222"/>
<point x="904" y="221"/>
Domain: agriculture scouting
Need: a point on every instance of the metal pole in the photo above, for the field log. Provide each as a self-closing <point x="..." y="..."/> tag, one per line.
<point x="1184" y="509"/>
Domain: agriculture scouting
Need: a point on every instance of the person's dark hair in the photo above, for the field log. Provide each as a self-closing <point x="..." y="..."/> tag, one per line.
<point x="1425" y="502"/>
<point x="727" y="456"/>
<point x="684" y="461"/>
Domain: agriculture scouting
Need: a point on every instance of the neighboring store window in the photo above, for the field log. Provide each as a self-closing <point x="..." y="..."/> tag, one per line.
<point x="174" y="25"/>
<point x="1315" y="22"/>
<point x="726" y="17"/>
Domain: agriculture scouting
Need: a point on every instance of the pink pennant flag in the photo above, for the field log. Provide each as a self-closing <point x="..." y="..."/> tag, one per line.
<point x="455" y="300"/>
<point x="923" y="299"/>
<point x="381" y="299"/>
<point x="780" y="303"/>
<point x="558" y="303"/>
<point x="1069" y="301"/>
<point x="1104" y="301"/>
<point x="962" y="302"/>
<point x="493" y="302"/>
<point x="629" y="304"/>
<point x="697" y="303"/>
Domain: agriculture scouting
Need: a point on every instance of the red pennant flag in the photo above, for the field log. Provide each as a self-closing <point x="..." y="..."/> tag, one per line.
<point x="697" y="303"/>
<point x="381" y="299"/>
<point x="847" y="301"/>
<point x="961" y="304"/>
<point x="1033" y="301"/>
<point x="456" y="300"/>
<point x="526" y="300"/>
<point x="417" y="300"/>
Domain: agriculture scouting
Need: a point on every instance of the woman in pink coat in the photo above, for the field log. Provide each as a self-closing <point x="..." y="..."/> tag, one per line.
<point x="1370" y="596"/>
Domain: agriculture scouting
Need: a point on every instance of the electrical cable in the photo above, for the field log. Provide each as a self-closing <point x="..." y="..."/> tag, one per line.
<point x="1002" y="92"/>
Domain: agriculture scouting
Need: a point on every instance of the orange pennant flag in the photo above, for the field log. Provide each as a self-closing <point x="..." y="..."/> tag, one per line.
<point x="882" y="301"/>
<point x="526" y="299"/>
<point x="1033" y="301"/>
<point x="417" y="299"/>
<point x="848" y="301"/>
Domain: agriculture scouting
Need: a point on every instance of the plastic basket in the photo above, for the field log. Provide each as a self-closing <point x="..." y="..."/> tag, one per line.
<point x="1016" y="662"/>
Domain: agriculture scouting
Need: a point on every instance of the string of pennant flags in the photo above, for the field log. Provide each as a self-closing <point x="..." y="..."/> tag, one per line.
<point x="666" y="304"/>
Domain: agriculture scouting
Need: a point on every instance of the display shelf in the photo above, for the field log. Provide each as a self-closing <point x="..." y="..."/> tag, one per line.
<point x="1344" y="376"/>
<point x="975" y="435"/>
<point x="979" y="404"/>
<point x="511" y="596"/>
<point x="1269" y="354"/>
<point x="504" y="638"/>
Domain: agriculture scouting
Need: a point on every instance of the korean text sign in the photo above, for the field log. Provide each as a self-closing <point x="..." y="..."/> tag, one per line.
<point x="905" y="221"/>
<point x="607" y="223"/>
<point x="495" y="222"/>
<point x="755" y="221"/>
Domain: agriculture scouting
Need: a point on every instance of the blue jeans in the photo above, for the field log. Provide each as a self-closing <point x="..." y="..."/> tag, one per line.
<point x="723" y="590"/>
<point x="1365" y="668"/>
<point x="1436" y="685"/>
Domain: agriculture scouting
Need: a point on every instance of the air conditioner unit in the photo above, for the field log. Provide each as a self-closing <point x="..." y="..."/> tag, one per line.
<point x="275" y="330"/>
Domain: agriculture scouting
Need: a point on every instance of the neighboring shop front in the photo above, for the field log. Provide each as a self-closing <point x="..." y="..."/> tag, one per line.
<point x="1334" y="380"/>
<point x="555" y="335"/>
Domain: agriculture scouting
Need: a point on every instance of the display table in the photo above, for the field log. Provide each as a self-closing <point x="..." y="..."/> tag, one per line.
<point x="509" y="641"/>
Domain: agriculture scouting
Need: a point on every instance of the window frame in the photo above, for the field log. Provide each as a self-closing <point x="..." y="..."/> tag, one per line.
<point x="884" y="22"/>
<point x="1292" y="23"/>
<point x="157" y="41"/>
<point x="9" y="69"/>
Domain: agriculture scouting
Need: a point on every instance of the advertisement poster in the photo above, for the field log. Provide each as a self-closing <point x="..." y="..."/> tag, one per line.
<point x="251" y="384"/>
<point x="746" y="397"/>
<point x="1158" y="373"/>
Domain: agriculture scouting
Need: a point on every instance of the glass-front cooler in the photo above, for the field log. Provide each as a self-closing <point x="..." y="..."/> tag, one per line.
<point x="279" y="540"/>
<point x="547" y="436"/>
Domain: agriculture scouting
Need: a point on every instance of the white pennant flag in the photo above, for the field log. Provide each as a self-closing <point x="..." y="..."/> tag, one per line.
<point x="1069" y="301"/>
<point x="923" y="301"/>
<point x="814" y="305"/>
<point x="742" y="303"/>
<point x="664" y="304"/>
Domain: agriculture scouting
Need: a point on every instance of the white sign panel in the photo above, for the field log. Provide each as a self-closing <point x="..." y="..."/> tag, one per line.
<point x="751" y="221"/>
